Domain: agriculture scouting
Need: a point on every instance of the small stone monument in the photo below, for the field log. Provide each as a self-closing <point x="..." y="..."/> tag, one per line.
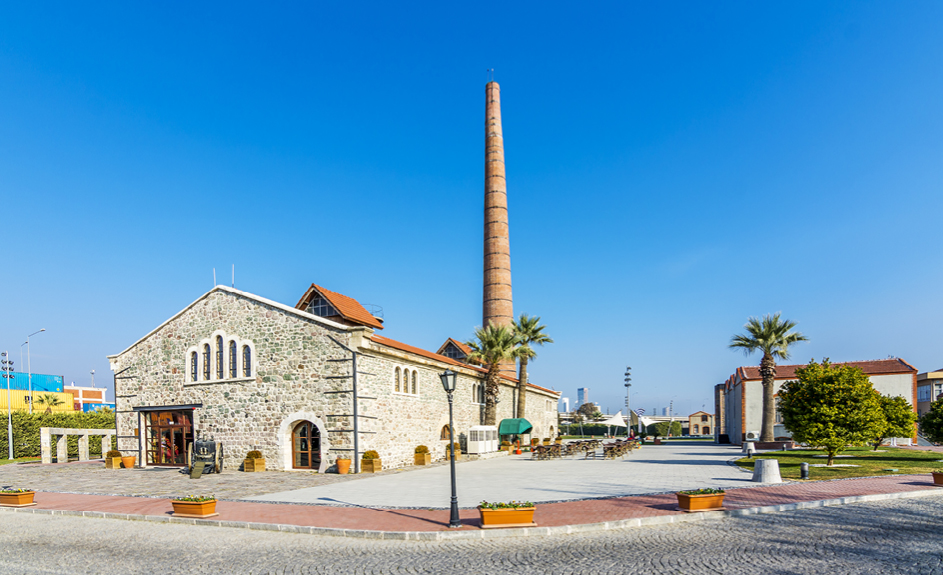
<point x="766" y="471"/>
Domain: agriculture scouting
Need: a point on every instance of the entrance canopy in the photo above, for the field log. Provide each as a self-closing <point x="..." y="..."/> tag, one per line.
<point x="517" y="426"/>
<point x="616" y="420"/>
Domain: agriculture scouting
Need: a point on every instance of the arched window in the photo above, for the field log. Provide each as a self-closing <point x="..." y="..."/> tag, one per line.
<point x="396" y="388"/>
<point x="233" y="370"/>
<point x="206" y="361"/>
<point x="219" y="357"/>
<point x="415" y="383"/>
<point x="445" y="433"/>
<point x="246" y="361"/>
<point x="194" y="374"/>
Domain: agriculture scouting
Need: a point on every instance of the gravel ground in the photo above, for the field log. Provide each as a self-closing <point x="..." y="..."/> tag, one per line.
<point x="897" y="536"/>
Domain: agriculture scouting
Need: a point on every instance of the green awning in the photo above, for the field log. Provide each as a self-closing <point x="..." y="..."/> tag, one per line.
<point x="517" y="426"/>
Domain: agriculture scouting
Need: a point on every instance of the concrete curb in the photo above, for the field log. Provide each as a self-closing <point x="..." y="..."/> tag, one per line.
<point x="491" y="533"/>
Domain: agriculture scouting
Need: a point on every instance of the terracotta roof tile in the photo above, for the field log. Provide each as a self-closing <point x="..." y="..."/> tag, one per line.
<point x="870" y="367"/>
<point x="382" y="340"/>
<point x="349" y="308"/>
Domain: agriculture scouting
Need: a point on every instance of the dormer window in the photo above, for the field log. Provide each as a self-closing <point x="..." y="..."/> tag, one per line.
<point x="321" y="308"/>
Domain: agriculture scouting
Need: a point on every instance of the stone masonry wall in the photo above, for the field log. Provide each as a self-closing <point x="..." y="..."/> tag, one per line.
<point x="296" y="362"/>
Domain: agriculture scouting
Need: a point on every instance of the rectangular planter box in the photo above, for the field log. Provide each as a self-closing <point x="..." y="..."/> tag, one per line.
<point x="371" y="465"/>
<point x="24" y="499"/>
<point x="706" y="502"/>
<point x="423" y="458"/>
<point x="458" y="454"/>
<point x="498" y="518"/>
<point x="252" y="465"/>
<point x="937" y="478"/>
<point x="198" y="509"/>
<point x="112" y="463"/>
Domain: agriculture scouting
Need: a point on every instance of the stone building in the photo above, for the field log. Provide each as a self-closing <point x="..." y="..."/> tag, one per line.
<point x="257" y="374"/>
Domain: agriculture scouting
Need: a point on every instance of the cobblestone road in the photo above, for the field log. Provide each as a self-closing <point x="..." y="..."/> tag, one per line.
<point x="899" y="536"/>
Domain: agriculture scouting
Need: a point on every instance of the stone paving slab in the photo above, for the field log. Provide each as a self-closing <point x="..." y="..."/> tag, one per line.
<point x="653" y="469"/>
<point x="563" y="517"/>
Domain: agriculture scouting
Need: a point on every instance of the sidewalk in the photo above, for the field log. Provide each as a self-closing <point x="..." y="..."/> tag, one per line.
<point x="569" y="516"/>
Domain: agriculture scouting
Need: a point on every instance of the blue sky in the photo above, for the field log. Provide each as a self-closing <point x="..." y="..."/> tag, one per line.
<point x="673" y="169"/>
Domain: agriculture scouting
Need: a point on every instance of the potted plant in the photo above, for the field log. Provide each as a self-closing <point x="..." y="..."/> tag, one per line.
<point x="546" y="441"/>
<point x="254" y="461"/>
<point x="423" y="457"/>
<point x="128" y="461"/>
<point x="371" y="462"/>
<point x="194" y="506"/>
<point x="701" y="499"/>
<point x="938" y="477"/>
<point x="511" y="514"/>
<point x="113" y="459"/>
<point x="16" y="497"/>
<point x="343" y="465"/>
<point x="505" y="445"/>
<point x="458" y="452"/>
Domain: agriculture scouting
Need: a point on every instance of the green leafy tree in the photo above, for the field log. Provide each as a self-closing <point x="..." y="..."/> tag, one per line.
<point x="899" y="417"/>
<point x="772" y="336"/>
<point x="492" y="346"/>
<point x="831" y="407"/>
<point x="675" y="429"/>
<point x="659" y="428"/>
<point x="931" y="424"/>
<point x="529" y="333"/>
<point x="588" y="410"/>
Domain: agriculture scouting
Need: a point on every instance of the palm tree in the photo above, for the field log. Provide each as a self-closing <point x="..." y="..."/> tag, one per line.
<point x="529" y="332"/>
<point x="49" y="400"/>
<point x="772" y="336"/>
<point x="492" y="346"/>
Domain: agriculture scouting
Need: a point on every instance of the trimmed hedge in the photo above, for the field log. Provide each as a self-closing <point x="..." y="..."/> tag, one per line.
<point x="590" y="429"/>
<point x="26" y="431"/>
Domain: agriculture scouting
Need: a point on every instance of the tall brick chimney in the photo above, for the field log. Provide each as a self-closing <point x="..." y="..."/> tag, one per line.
<point x="497" y="306"/>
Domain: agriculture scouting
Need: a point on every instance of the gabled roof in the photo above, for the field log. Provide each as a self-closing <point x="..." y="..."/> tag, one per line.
<point x="461" y="346"/>
<point x="382" y="340"/>
<point x="870" y="367"/>
<point x="349" y="308"/>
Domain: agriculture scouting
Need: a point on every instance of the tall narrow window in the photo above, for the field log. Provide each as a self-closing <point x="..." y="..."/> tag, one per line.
<point x="397" y="380"/>
<point x="219" y="357"/>
<point x="206" y="361"/>
<point x="233" y="373"/>
<point x="246" y="361"/>
<point x="194" y="374"/>
<point x="415" y="383"/>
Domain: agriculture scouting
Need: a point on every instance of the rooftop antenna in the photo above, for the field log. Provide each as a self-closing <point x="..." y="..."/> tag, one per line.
<point x="234" y="276"/>
<point x="490" y="72"/>
<point x="214" y="277"/>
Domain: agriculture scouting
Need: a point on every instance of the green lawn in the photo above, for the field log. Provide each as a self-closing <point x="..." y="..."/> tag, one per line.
<point x="902" y="461"/>
<point x="18" y="460"/>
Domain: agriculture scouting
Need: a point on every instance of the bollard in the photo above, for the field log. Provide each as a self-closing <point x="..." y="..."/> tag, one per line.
<point x="767" y="471"/>
<point x="804" y="471"/>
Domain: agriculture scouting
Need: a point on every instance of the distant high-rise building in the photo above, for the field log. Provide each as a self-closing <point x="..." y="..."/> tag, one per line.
<point x="582" y="396"/>
<point x="565" y="407"/>
<point x="664" y="411"/>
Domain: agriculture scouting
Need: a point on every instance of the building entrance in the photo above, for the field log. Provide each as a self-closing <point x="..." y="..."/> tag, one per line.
<point x="168" y="434"/>
<point x="306" y="446"/>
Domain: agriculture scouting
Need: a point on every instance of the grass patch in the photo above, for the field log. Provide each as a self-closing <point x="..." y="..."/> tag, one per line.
<point x="905" y="461"/>
<point x="18" y="460"/>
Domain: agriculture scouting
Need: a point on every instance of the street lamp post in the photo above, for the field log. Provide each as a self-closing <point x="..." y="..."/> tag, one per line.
<point x="29" y="369"/>
<point x="6" y="366"/>
<point x="628" y="413"/>
<point x="448" y="383"/>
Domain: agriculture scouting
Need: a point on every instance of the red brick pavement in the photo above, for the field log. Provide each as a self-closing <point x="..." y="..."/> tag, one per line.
<point x="547" y="515"/>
